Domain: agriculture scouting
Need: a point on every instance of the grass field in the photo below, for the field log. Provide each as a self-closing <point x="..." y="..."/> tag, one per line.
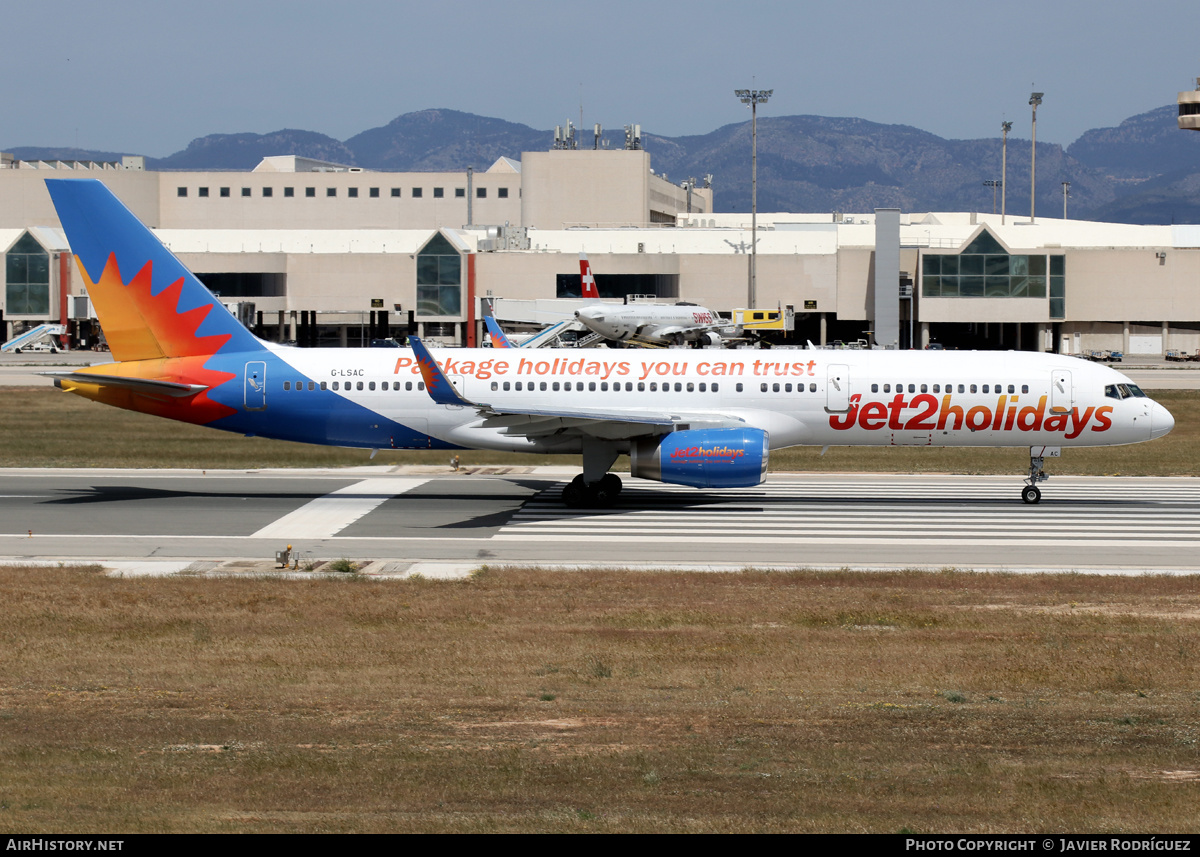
<point x="524" y="700"/>
<point x="44" y="427"/>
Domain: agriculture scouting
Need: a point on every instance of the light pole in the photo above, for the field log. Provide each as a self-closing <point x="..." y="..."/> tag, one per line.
<point x="1066" y="193"/>
<point x="1006" y="127"/>
<point x="1035" y="99"/>
<point x="993" y="184"/>
<point x="753" y="97"/>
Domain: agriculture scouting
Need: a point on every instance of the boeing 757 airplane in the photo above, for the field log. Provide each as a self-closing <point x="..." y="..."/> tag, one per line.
<point x="702" y="418"/>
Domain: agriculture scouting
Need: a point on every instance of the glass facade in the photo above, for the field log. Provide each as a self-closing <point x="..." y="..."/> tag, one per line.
<point x="27" y="278"/>
<point x="439" y="279"/>
<point x="985" y="269"/>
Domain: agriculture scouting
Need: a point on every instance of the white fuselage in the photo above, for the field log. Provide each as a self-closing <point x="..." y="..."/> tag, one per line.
<point x="809" y="397"/>
<point x="648" y="322"/>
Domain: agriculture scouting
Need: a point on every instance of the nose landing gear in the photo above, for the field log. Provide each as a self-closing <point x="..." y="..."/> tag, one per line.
<point x="1031" y="494"/>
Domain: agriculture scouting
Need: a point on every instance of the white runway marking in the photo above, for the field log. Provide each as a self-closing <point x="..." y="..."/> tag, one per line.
<point x="327" y="516"/>
<point x="920" y="512"/>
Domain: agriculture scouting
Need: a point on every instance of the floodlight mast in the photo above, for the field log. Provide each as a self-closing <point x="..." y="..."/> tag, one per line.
<point x="753" y="97"/>
<point x="993" y="184"/>
<point x="1035" y="99"/>
<point x="1005" y="127"/>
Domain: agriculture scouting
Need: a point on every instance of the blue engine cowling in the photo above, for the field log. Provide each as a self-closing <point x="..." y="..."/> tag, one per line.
<point x="703" y="458"/>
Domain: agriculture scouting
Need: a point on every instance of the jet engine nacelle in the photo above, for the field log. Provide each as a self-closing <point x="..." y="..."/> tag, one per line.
<point x="703" y="458"/>
<point x="711" y="338"/>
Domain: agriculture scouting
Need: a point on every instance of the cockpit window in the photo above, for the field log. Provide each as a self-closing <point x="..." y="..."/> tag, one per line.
<point x="1123" y="391"/>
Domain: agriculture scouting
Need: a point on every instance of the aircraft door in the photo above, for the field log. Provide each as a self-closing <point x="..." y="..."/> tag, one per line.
<point x="255" y="398"/>
<point x="1062" y="394"/>
<point x="837" y="389"/>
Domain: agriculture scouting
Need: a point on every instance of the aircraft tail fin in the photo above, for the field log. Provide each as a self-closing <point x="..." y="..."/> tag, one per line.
<point x="499" y="340"/>
<point x="586" y="279"/>
<point x="149" y="305"/>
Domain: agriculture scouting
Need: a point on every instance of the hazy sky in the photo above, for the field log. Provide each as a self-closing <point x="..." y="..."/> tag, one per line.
<point x="148" y="77"/>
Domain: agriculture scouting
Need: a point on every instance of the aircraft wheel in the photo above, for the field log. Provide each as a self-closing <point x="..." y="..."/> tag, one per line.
<point x="575" y="494"/>
<point x="1031" y="494"/>
<point x="611" y="483"/>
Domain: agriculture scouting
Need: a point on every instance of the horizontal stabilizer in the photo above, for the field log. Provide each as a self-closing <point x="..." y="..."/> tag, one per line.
<point x="137" y="385"/>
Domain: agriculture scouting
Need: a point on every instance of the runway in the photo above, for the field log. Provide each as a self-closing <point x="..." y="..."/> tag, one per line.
<point x="513" y="515"/>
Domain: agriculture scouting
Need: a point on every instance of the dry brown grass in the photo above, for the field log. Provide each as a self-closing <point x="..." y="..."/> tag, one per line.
<point x="526" y="700"/>
<point x="44" y="427"/>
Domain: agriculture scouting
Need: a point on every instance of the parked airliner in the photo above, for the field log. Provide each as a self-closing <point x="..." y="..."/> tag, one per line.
<point x="702" y="418"/>
<point x="647" y="323"/>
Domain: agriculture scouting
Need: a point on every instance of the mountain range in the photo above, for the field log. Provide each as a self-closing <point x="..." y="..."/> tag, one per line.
<point x="1144" y="170"/>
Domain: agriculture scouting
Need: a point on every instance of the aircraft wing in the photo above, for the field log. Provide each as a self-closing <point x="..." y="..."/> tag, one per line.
<point x="616" y="423"/>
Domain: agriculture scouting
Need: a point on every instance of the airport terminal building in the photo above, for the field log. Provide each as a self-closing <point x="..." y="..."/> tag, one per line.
<point x="323" y="253"/>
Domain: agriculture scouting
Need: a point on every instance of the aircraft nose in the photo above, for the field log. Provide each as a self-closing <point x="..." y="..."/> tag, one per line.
<point x="1161" y="421"/>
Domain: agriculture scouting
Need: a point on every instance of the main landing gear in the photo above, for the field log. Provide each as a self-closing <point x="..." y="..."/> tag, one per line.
<point x="1030" y="493"/>
<point x="600" y="494"/>
<point x="595" y="488"/>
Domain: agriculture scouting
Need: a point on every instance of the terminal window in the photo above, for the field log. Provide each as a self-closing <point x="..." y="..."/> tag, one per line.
<point x="439" y="192"/>
<point x="352" y="192"/>
<point x="310" y="191"/>
<point x="985" y="269"/>
<point x="481" y="193"/>
<point x="331" y="191"/>
<point x="289" y="192"/>
<point x="224" y="192"/>
<point x="502" y="192"/>
<point x="267" y="191"/>
<point x="416" y="193"/>
<point x="374" y="193"/>
<point x="201" y="191"/>
<point x="395" y="191"/>
<point x="245" y="191"/>
<point x="460" y="192"/>
<point x="181" y="191"/>
<point x="27" y="283"/>
<point x="439" y="279"/>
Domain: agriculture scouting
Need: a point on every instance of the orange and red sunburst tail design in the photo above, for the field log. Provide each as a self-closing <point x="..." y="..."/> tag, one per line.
<point x="433" y="378"/>
<point x="160" y="322"/>
<point x="140" y="325"/>
<point x="148" y="303"/>
<point x="438" y="385"/>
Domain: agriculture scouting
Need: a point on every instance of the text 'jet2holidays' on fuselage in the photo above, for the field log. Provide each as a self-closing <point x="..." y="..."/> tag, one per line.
<point x="703" y="418"/>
